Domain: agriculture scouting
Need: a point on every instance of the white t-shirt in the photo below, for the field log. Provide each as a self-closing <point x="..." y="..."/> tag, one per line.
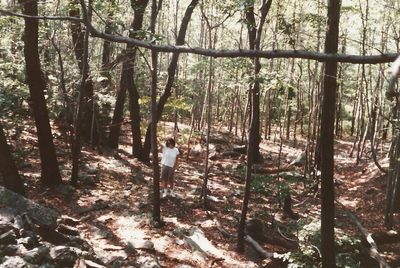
<point x="169" y="156"/>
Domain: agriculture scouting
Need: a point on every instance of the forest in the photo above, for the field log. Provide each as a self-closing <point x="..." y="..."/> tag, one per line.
<point x="199" y="133"/>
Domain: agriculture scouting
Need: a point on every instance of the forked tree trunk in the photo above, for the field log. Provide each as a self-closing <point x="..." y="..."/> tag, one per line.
<point x="254" y="105"/>
<point x="171" y="75"/>
<point x="8" y="169"/>
<point x="50" y="173"/>
<point x="127" y="83"/>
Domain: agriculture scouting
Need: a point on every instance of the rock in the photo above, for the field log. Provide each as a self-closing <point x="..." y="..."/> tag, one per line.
<point x="68" y="230"/>
<point x="64" y="256"/>
<point x="10" y="250"/>
<point x="91" y="170"/>
<point x="37" y="255"/>
<point x="91" y="264"/>
<point x="80" y="243"/>
<point x="8" y="238"/>
<point x="15" y="262"/>
<point x="69" y="220"/>
<point x="89" y="179"/>
<point x="65" y="190"/>
<point x="5" y="227"/>
<point x="147" y="262"/>
<point x="196" y="151"/>
<point x="40" y="215"/>
<point x="47" y="265"/>
<point x="241" y="149"/>
<point x="137" y="177"/>
<point x="53" y="236"/>
<point x="144" y="244"/>
<point x="299" y="160"/>
<point x="180" y="232"/>
<point x="29" y="242"/>
<point x="199" y="243"/>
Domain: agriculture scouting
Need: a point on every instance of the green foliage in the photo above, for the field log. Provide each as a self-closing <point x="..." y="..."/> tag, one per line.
<point x="309" y="235"/>
<point x="271" y="185"/>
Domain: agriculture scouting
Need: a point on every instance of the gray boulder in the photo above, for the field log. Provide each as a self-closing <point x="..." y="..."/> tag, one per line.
<point x="37" y="255"/>
<point x="64" y="256"/>
<point x="42" y="216"/>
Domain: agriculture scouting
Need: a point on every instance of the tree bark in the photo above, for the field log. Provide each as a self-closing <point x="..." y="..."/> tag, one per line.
<point x="156" y="168"/>
<point x="50" y="173"/>
<point x="254" y="33"/>
<point x="327" y="138"/>
<point x="79" y="113"/>
<point x="8" y="169"/>
<point x="127" y="82"/>
<point x="89" y="125"/>
<point x="180" y="40"/>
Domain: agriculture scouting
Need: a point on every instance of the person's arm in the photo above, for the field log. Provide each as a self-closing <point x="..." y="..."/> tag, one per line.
<point x="177" y="158"/>
<point x="160" y="145"/>
<point x="176" y="162"/>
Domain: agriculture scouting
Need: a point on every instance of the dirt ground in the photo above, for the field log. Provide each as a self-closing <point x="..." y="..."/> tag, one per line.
<point x="114" y="197"/>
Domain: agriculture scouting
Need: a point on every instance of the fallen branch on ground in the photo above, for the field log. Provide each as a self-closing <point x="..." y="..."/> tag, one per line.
<point x="258" y="248"/>
<point x="374" y="253"/>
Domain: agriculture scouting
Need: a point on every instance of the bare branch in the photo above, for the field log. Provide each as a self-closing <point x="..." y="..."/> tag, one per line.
<point x="13" y="14"/>
<point x="221" y="53"/>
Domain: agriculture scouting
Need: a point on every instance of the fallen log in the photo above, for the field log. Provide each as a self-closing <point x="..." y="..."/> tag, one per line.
<point x="373" y="252"/>
<point x="258" y="248"/>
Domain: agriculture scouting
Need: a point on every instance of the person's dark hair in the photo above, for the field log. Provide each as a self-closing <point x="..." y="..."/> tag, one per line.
<point x="169" y="142"/>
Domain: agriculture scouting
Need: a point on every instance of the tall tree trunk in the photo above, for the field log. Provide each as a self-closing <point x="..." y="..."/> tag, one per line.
<point x="50" y="173"/>
<point x="127" y="83"/>
<point x="327" y="138"/>
<point x="79" y="112"/>
<point x="171" y="74"/>
<point x="254" y="33"/>
<point x="156" y="168"/>
<point x="8" y="169"/>
<point x="253" y="142"/>
<point x="89" y="127"/>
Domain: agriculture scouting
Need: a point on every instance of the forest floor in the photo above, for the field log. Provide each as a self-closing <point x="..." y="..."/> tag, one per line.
<point x="114" y="202"/>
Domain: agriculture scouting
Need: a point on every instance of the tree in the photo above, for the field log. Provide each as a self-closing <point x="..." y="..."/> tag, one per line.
<point x="253" y="152"/>
<point x="8" y="169"/>
<point x="50" y="173"/>
<point x="254" y="33"/>
<point x="89" y="123"/>
<point x="327" y="137"/>
<point x="79" y="113"/>
<point x="127" y="82"/>
<point x="180" y="40"/>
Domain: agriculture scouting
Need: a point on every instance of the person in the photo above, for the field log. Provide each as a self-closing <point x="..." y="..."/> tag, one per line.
<point x="169" y="163"/>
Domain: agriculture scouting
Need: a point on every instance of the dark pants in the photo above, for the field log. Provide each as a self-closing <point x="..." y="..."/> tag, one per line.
<point x="167" y="175"/>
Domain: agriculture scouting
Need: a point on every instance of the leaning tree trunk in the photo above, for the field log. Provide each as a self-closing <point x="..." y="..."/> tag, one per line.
<point x="89" y="124"/>
<point x="50" y="173"/>
<point x="171" y="74"/>
<point x="327" y="138"/>
<point x="8" y="169"/>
